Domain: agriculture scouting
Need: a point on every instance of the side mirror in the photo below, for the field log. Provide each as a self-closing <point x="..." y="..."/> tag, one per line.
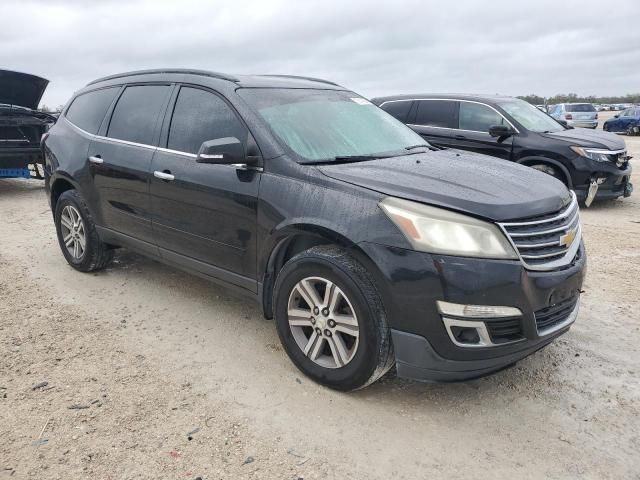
<point x="222" y="151"/>
<point x="616" y="116"/>
<point x="500" y="131"/>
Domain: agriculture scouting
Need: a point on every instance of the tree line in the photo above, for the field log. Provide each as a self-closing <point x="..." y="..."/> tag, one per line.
<point x="575" y="98"/>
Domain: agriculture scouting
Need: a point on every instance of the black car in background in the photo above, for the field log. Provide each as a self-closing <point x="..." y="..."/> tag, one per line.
<point x="369" y="247"/>
<point x="595" y="164"/>
<point x="21" y="124"/>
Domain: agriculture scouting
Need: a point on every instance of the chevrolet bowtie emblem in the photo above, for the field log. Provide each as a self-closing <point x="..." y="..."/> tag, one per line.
<point x="568" y="238"/>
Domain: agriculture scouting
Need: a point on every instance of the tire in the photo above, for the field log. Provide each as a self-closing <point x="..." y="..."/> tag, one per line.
<point x="365" y="357"/>
<point x="549" y="170"/>
<point x="92" y="254"/>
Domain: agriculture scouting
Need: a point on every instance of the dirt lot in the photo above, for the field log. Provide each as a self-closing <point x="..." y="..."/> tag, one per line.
<point x="138" y="357"/>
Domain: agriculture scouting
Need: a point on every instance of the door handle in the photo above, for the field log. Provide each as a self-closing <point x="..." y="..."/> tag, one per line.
<point x="460" y="137"/>
<point x="165" y="175"/>
<point x="96" y="159"/>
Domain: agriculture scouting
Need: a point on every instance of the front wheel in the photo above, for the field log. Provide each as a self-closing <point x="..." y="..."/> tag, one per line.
<point x="331" y="320"/>
<point x="549" y="170"/>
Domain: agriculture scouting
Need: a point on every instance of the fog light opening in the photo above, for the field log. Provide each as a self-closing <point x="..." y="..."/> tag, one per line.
<point x="466" y="335"/>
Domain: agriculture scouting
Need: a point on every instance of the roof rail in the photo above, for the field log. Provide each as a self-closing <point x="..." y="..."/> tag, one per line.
<point x="206" y="73"/>
<point x="299" y="77"/>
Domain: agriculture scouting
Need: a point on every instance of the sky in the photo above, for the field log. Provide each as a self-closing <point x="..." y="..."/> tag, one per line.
<point x="511" y="47"/>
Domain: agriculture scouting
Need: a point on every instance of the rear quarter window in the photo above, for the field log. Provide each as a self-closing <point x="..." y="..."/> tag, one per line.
<point x="399" y="109"/>
<point x="88" y="110"/>
<point x="135" y="116"/>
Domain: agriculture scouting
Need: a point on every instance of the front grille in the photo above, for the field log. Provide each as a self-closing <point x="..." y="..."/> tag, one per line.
<point x="549" y="317"/>
<point x="549" y="241"/>
<point x="504" y="330"/>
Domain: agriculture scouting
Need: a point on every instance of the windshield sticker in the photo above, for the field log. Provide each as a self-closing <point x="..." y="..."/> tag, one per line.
<point x="361" y="101"/>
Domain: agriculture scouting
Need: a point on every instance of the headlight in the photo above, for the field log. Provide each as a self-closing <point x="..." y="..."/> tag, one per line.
<point x="436" y="230"/>
<point x="593" y="153"/>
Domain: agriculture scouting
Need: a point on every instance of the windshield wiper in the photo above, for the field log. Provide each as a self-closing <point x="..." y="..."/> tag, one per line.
<point x="417" y="146"/>
<point x="347" y="159"/>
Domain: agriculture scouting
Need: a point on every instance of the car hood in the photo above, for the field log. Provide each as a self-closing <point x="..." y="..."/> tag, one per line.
<point x="476" y="184"/>
<point x="21" y="89"/>
<point x="583" y="137"/>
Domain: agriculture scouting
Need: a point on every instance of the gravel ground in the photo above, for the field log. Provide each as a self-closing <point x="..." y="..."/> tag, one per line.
<point x="152" y="373"/>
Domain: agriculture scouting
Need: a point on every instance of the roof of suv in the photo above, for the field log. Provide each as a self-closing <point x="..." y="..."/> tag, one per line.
<point x="445" y="96"/>
<point x="273" y="81"/>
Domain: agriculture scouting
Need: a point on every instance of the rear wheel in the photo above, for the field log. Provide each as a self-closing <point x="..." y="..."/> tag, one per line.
<point x="77" y="236"/>
<point x="331" y="320"/>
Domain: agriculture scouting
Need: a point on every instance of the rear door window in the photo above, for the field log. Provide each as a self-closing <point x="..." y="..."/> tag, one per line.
<point x="199" y="116"/>
<point x="580" y="107"/>
<point x="136" y="114"/>
<point x="399" y="109"/>
<point x="88" y="110"/>
<point x="478" y="117"/>
<point x="437" y="113"/>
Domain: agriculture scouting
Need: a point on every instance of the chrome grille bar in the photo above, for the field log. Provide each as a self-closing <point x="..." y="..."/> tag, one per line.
<point x="547" y="242"/>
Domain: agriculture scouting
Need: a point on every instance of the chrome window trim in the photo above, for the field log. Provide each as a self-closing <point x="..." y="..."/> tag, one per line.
<point x="237" y="166"/>
<point x="109" y="139"/>
<point x="449" y="100"/>
<point x="177" y="152"/>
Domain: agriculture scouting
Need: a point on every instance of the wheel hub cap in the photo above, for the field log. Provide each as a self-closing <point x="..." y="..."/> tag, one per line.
<point x="73" y="233"/>
<point x="323" y="322"/>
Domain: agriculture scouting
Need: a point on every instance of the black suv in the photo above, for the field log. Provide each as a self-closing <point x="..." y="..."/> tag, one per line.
<point x="595" y="164"/>
<point x="370" y="248"/>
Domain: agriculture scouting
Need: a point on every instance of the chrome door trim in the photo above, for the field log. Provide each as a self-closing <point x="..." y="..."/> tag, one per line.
<point x="240" y="166"/>
<point x="450" y="100"/>
<point x="177" y="152"/>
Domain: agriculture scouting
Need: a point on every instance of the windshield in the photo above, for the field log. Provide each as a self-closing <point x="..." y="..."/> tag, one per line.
<point x="530" y="117"/>
<point x="579" y="107"/>
<point x="330" y="125"/>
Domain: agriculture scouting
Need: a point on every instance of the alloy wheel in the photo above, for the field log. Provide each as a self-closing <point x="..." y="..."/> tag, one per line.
<point x="73" y="232"/>
<point x="323" y="322"/>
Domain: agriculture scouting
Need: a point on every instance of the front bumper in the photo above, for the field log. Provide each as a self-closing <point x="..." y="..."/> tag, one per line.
<point x="617" y="181"/>
<point x="412" y="282"/>
<point x="583" y="123"/>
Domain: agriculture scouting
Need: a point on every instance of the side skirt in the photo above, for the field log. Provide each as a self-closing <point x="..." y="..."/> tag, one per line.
<point x="237" y="283"/>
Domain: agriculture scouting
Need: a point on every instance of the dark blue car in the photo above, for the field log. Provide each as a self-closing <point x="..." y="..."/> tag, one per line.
<point x="627" y="121"/>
